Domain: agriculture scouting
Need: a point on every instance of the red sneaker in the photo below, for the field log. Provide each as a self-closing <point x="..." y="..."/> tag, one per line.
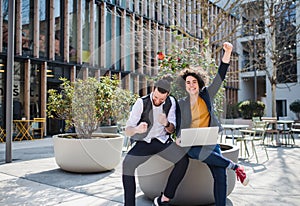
<point x="241" y="176"/>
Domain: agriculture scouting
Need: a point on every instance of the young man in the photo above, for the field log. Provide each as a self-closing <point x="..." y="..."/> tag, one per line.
<point x="151" y="121"/>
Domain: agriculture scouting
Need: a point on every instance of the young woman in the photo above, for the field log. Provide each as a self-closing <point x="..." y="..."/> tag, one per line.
<point x="197" y="111"/>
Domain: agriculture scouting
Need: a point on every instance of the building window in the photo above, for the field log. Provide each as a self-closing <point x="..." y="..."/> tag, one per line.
<point x="58" y="30"/>
<point x="117" y="63"/>
<point x="73" y="30"/>
<point x="286" y="43"/>
<point x="108" y="35"/>
<point x="128" y="46"/>
<point x="281" y="108"/>
<point x="18" y="91"/>
<point x="43" y="29"/>
<point x="97" y="36"/>
<point x="85" y="31"/>
<point x="27" y="27"/>
<point x="35" y="90"/>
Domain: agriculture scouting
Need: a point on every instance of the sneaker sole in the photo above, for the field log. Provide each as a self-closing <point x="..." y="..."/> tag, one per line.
<point x="155" y="203"/>
<point x="246" y="181"/>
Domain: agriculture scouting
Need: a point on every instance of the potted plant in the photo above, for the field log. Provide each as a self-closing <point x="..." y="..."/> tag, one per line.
<point x="295" y="107"/>
<point x="249" y="109"/>
<point x="85" y="105"/>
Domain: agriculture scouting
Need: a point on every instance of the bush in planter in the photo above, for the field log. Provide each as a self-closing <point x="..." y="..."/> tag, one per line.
<point x="86" y="104"/>
<point x="295" y="107"/>
<point x="249" y="109"/>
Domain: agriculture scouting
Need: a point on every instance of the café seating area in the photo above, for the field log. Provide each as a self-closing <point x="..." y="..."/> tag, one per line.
<point x="261" y="132"/>
<point x="25" y="129"/>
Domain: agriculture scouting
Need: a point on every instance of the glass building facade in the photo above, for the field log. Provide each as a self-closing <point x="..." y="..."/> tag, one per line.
<point x="81" y="38"/>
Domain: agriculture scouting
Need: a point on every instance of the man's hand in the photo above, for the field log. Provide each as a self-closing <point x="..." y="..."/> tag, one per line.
<point x="142" y="128"/>
<point x="162" y="119"/>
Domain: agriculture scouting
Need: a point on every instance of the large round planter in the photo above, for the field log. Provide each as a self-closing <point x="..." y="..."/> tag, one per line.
<point x="88" y="155"/>
<point x="196" y="187"/>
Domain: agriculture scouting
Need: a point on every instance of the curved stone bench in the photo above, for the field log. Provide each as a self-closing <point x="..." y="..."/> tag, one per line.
<point x="196" y="187"/>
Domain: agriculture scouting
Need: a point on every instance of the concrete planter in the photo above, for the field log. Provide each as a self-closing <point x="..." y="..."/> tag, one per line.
<point x="98" y="154"/>
<point x="197" y="186"/>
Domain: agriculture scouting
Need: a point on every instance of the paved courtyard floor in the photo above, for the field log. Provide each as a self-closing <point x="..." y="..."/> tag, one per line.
<point x="33" y="178"/>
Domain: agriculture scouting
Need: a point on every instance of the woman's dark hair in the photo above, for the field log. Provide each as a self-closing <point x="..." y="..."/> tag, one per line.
<point x="196" y="72"/>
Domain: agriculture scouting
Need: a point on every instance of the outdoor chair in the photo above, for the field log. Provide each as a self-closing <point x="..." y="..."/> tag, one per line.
<point x="253" y="135"/>
<point x="38" y="127"/>
<point x="271" y="131"/>
<point x="285" y="131"/>
<point x="255" y="119"/>
<point x="295" y="129"/>
<point x="2" y="134"/>
<point x="126" y="143"/>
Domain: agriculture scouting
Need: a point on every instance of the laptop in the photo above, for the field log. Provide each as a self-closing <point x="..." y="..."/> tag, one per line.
<point x="199" y="136"/>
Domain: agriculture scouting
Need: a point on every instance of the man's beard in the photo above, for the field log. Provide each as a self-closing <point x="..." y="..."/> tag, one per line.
<point x="157" y="105"/>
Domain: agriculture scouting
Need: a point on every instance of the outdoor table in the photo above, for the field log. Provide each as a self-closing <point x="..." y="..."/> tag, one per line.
<point x="234" y="128"/>
<point x="286" y="130"/>
<point x="23" y="129"/>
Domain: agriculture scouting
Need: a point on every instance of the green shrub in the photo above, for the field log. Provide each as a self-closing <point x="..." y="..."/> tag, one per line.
<point x="249" y="109"/>
<point x="232" y="111"/>
<point x="295" y="107"/>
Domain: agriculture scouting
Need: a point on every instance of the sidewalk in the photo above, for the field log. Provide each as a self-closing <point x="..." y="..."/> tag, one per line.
<point x="33" y="178"/>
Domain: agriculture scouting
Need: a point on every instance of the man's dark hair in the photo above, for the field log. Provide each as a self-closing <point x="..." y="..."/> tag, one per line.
<point x="163" y="86"/>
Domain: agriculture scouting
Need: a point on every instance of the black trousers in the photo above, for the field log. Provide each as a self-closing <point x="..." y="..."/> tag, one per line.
<point x="140" y="153"/>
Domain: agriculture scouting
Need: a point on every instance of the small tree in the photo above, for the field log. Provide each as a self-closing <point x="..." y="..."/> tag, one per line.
<point x="178" y="59"/>
<point x="86" y="104"/>
<point x="295" y="107"/>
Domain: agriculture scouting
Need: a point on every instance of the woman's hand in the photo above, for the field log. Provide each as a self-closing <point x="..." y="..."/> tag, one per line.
<point x="178" y="141"/>
<point x="228" y="49"/>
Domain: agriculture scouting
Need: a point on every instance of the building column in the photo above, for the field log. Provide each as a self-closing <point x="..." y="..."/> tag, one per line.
<point x="27" y="71"/>
<point x="73" y="74"/>
<point x="112" y="42"/>
<point x="36" y="28"/>
<point x="92" y="33"/>
<point x="79" y="32"/>
<point x="66" y="32"/>
<point x="44" y="92"/>
<point x="18" y="32"/>
<point x="132" y="43"/>
<point x="123" y="43"/>
<point x="102" y="51"/>
<point x="51" y="31"/>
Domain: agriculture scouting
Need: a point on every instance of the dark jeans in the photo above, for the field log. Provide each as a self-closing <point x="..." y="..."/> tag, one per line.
<point x="140" y="153"/>
<point x="211" y="155"/>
